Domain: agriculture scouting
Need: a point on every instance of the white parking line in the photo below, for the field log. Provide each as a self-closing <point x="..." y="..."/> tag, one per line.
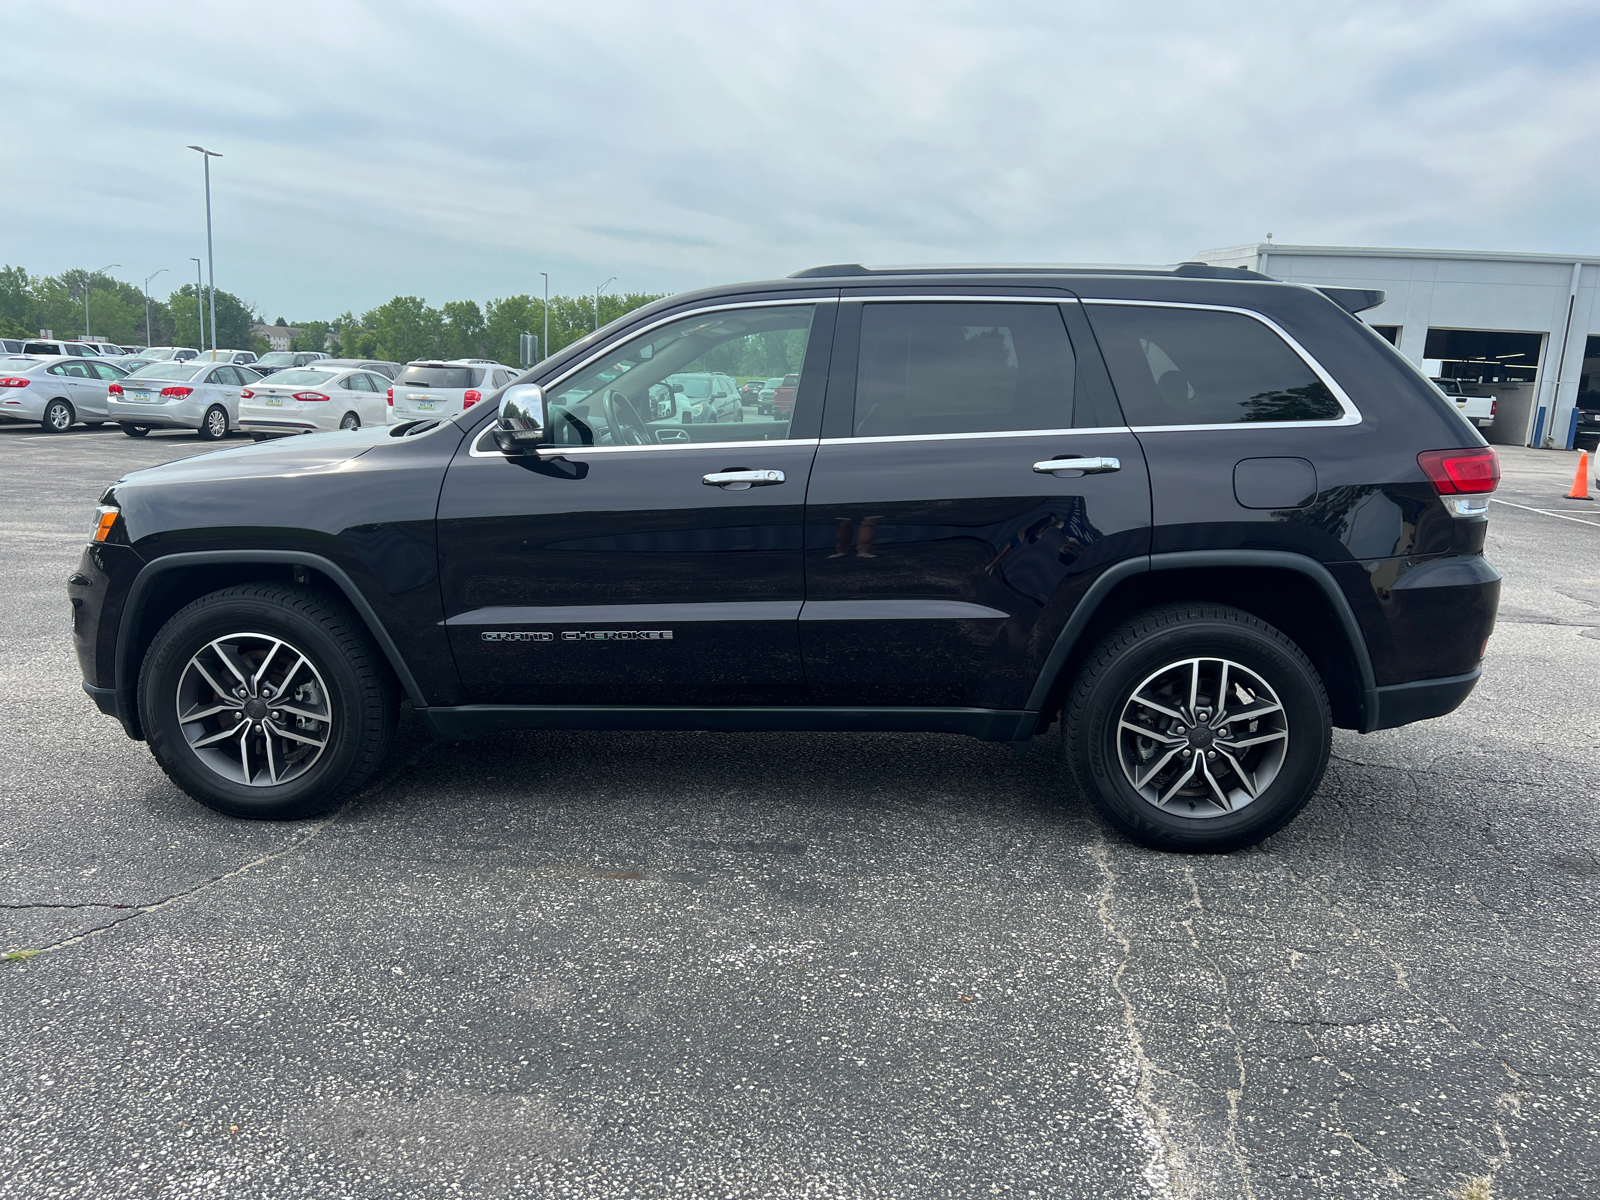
<point x="1546" y="512"/>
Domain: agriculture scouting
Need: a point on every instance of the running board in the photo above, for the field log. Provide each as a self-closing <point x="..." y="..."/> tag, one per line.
<point x="476" y="720"/>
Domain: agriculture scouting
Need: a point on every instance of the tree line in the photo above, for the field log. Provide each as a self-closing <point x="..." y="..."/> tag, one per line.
<point x="398" y="330"/>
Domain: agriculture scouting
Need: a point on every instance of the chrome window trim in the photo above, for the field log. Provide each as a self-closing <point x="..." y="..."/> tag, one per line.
<point x="600" y="353"/>
<point x="584" y="451"/>
<point x="1352" y="415"/>
<point x="978" y="299"/>
<point x="950" y="437"/>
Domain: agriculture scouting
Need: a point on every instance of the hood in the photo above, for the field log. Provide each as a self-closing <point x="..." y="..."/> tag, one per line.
<point x="279" y="457"/>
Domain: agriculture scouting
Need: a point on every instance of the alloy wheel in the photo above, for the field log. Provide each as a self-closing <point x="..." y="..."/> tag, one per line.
<point x="1202" y="737"/>
<point x="254" y="709"/>
<point x="58" y="416"/>
<point x="216" y="423"/>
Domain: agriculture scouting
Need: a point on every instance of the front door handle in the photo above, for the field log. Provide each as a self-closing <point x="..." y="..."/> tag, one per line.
<point x="738" y="481"/>
<point x="1089" y="466"/>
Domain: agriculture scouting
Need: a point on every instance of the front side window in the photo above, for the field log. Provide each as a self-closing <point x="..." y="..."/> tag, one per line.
<point x="1193" y="366"/>
<point x="960" y="367"/>
<point x="661" y="387"/>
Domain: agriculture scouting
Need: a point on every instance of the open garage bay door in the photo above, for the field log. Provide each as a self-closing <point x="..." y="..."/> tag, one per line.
<point x="1490" y="363"/>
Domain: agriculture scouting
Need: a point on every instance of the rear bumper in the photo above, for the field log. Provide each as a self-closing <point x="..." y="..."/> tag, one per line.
<point x="1404" y="703"/>
<point x="182" y="414"/>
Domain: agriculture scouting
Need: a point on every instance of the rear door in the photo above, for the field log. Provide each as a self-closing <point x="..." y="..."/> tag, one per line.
<point x="632" y="565"/>
<point x="942" y="556"/>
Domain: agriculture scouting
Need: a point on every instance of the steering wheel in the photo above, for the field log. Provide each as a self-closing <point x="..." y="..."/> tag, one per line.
<point x="626" y="427"/>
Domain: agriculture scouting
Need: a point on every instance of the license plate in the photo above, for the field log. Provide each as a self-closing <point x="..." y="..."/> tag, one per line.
<point x="273" y="402"/>
<point x="139" y="397"/>
<point x="424" y="405"/>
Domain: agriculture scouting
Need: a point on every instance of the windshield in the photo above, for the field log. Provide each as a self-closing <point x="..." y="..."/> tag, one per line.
<point x="278" y="358"/>
<point x="303" y="375"/>
<point x="170" y="371"/>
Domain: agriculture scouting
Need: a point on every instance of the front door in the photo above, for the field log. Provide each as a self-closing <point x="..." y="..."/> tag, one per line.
<point x="652" y="560"/>
<point x="943" y="556"/>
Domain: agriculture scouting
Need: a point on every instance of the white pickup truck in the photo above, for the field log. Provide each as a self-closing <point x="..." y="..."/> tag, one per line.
<point x="1477" y="409"/>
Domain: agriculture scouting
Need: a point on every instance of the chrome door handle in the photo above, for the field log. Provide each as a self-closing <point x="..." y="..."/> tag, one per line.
<point x="738" y="481"/>
<point x="1089" y="466"/>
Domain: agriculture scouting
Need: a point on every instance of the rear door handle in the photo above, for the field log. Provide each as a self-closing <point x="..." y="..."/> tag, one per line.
<point x="1089" y="466"/>
<point x="738" y="481"/>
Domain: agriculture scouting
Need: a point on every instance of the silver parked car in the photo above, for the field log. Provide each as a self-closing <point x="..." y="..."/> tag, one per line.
<point x="57" y="390"/>
<point x="202" y="396"/>
<point x="387" y="369"/>
<point x="169" y="353"/>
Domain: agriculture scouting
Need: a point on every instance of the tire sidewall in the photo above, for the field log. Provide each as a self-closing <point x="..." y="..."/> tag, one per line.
<point x="164" y="664"/>
<point x="205" y="424"/>
<point x="1305" y="709"/>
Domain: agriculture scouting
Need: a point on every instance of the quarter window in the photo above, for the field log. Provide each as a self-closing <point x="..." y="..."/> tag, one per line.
<point x="955" y="367"/>
<point x="1190" y="366"/>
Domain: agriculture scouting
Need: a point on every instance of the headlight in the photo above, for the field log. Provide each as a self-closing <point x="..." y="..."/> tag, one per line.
<point x="105" y="517"/>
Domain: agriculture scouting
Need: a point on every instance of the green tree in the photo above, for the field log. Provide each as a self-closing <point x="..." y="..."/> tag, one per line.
<point x="462" y="331"/>
<point x="234" y="318"/>
<point x="10" y="329"/>
<point x="313" y="336"/>
<point x="14" y="290"/>
<point x="403" y="329"/>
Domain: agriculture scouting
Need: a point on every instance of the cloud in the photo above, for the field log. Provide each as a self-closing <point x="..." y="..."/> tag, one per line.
<point x="454" y="151"/>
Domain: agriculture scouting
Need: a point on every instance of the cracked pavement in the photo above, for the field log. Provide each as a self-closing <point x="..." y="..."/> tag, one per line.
<point x="627" y="964"/>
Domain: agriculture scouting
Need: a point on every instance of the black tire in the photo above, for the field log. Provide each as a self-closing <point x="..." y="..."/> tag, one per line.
<point x="360" y="697"/>
<point x="58" y="417"/>
<point x="135" y="431"/>
<point x="350" y="421"/>
<point x="214" y="424"/>
<point x="1129" y="656"/>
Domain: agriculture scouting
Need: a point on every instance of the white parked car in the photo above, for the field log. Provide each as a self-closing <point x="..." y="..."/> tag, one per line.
<point x="431" y="388"/>
<point x="712" y="397"/>
<point x="201" y="396"/>
<point x="56" y="391"/>
<point x="309" y="399"/>
<point x="169" y="353"/>
<point x="49" y="346"/>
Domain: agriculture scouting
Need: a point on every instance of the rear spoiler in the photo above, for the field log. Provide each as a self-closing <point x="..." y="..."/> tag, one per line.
<point x="1354" y="300"/>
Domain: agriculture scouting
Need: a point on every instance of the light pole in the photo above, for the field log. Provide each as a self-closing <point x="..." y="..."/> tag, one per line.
<point x="597" y="292"/>
<point x="210" y="262"/>
<point x="546" y="342"/>
<point x="86" y="279"/>
<point x="147" y="338"/>
<point x="200" y="300"/>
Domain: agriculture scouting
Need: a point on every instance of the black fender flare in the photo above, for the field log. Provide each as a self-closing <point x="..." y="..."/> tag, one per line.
<point x="138" y="595"/>
<point x="1313" y="570"/>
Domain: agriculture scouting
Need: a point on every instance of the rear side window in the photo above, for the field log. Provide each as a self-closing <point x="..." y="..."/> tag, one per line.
<point x="951" y="367"/>
<point x="1191" y="366"/>
<point x="438" y="377"/>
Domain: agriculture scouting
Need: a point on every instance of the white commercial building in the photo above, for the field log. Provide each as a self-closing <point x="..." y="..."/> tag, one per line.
<point x="1524" y="328"/>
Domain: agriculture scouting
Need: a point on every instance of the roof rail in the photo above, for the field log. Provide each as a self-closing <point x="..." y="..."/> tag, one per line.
<point x="1191" y="270"/>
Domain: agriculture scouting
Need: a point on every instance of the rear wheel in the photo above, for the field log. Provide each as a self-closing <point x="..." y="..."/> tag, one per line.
<point x="1197" y="727"/>
<point x="58" y="417"/>
<point x="267" y="701"/>
<point x="214" y="425"/>
<point x="135" y="430"/>
<point x="351" y="421"/>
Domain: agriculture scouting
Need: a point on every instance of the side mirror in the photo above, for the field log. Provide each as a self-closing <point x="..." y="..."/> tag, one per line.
<point x="520" y="426"/>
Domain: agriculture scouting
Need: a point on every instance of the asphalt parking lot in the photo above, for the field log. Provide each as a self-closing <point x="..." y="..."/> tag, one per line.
<point x="631" y="964"/>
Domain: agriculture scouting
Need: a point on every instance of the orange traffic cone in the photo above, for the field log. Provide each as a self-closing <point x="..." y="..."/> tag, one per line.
<point x="1580" y="484"/>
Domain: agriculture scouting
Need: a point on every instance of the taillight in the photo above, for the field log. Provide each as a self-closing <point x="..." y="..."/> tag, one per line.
<point x="470" y="397"/>
<point x="1463" y="478"/>
<point x="176" y="393"/>
<point x="1494" y="407"/>
<point x="13" y="381"/>
<point x="309" y="396"/>
<point x="246" y="394"/>
<point x="391" y="397"/>
<point x="114" y="390"/>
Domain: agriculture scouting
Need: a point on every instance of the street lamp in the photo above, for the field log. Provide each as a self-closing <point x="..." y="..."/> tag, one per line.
<point x="86" y="279"/>
<point x="147" y="338"/>
<point x="200" y="301"/>
<point x="597" y="292"/>
<point x="546" y="343"/>
<point x="210" y="262"/>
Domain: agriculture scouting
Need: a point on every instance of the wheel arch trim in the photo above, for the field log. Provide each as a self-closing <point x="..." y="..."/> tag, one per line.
<point x="1313" y="570"/>
<point x="139" y="592"/>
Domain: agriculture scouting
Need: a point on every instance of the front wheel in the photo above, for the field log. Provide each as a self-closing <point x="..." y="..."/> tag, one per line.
<point x="58" y="417"/>
<point x="267" y="701"/>
<point x="214" y="425"/>
<point x="1197" y="727"/>
<point x="135" y="431"/>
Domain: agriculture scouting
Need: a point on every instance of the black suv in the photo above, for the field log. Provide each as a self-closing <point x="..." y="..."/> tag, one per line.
<point x="1198" y="516"/>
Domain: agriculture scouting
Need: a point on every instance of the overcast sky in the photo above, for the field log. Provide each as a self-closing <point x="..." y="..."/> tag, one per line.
<point x="453" y="151"/>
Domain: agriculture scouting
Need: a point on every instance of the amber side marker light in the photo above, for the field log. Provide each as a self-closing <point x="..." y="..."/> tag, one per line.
<point x="104" y="519"/>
